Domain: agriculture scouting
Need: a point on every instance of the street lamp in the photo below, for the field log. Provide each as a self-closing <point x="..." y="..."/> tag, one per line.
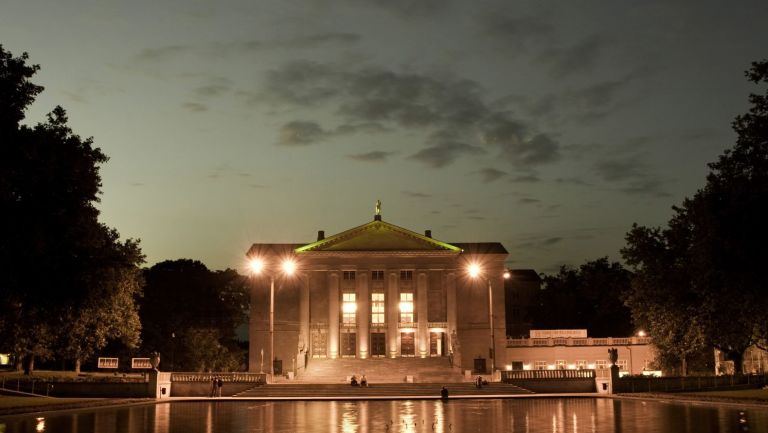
<point x="475" y="271"/>
<point x="258" y="266"/>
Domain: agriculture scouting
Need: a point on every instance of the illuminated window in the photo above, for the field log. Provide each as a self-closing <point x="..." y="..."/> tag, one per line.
<point x="581" y="364"/>
<point x="377" y="308"/>
<point x="539" y="365"/>
<point x="349" y="308"/>
<point x="601" y="364"/>
<point x="406" y="308"/>
<point x="348" y="275"/>
<point x="560" y="364"/>
<point x="377" y="275"/>
<point x="622" y="363"/>
<point x="406" y="275"/>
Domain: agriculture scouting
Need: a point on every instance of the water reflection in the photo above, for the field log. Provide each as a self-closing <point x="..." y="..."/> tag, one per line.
<point x="575" y="415"/>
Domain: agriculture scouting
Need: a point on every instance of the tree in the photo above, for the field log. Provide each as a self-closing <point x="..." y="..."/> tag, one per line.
<point x="190" y="314"/>
<point x="708" y="261"/>
<point x="588" y="297"/>
<point x="65" y="269"/>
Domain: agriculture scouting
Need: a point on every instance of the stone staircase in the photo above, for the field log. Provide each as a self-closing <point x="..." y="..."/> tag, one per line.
<point x="378" y="370"/>
<point x="379" y="390"/>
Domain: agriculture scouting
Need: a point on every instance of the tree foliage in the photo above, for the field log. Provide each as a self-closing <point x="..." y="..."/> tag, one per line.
<point x="64" y="270"/>
<point x="190" y="314"/>
<point x="588" y="297"/>
<point x="699" y="281"/>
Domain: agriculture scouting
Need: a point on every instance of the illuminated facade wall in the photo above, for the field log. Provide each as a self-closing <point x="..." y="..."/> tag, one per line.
<point x="377" y="290"/>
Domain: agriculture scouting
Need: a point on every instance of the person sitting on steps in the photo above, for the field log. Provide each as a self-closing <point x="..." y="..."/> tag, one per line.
<point x="353" y="381"/>
<point x="363" y="381"/>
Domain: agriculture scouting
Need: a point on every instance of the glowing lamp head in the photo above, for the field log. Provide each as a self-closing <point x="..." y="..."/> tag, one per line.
<point x="641" y="333"/>
<point x="474" y="270"/>
<point x="289" y="267"/>
<point x="507" y="275"/>
<point x="256" y="265"/>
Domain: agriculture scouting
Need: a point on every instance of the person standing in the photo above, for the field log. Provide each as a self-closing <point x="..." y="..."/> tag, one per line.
<point x="219" y="385"/>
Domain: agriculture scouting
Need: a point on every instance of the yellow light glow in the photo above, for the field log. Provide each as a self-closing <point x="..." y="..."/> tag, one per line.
<point x="406" y="307"/>
<point x="349" y="307"/>
<point x="474" y="270"/>
<point x="571" y="366"/>
<point x="641" y="333"/>
<point x="508" y="367"/>
<point x="550" y="367"/>
<point x="256" y="265"/>
<point x="289" y="267"/>
<point x="40" y="426"/>
<point x="507" y="275"/>
<point x="526" y="366"/>
<point x="591" y="366"/>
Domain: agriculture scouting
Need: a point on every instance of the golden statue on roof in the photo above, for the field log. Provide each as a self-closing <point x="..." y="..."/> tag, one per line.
<point x="378" y="207"/>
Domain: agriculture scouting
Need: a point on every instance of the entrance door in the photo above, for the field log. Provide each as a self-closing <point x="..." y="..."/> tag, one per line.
<point x="479" y="365"/>
<point x="319" y="343"/>
<point x="378" y="344"/>
<point x="435" y="344"/>
<point x="407" y="344"/>
<point x="348" y="344"/>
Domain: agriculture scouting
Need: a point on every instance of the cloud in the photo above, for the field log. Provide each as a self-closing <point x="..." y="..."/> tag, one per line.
<point x="517" y="33"/>
<point x="528" y="200"/>
<point x="616" y="169"/>
<point x="491" y="174"/>
<point x="551" y="241"/>
<point x="525" y="178"/>
<point x="651" y="187"/>
<point x="162" y="53"/>
<point x="451" y="114"/>
<point x="579" y="57"/>
<point x="444" y="153"/>
<point x="407" y="8"/>
<point x="194" y="107"/>
<point x="301" y="133"/>
<point x="517" y="145"/>
<point x="414" y="194"/>
<point x="373" y="156"/>
<point x="215" y="86"/>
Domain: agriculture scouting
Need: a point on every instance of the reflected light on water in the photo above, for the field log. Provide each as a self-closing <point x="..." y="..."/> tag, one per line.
<point x="40" y="426"/>
<point x="423" y="416"/>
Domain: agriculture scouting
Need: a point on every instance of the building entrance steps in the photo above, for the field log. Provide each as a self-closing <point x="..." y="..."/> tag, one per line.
<point x="379" y="370"/>
<point x="378" y="390"/>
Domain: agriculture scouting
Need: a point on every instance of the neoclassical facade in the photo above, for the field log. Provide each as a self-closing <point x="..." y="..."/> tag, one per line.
<point x="378" y="290"/>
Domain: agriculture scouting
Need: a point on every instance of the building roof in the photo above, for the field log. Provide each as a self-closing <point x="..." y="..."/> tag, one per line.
<point x="378" y="235"/>
<point x="524" y="275"/>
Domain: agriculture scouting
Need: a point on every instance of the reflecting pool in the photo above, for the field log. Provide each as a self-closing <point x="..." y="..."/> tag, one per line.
<point x="575" y="415"/>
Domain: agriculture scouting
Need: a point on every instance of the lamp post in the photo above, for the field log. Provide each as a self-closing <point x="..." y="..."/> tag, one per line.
<point x="258" y="267"/>
<point x="475" y="271"/>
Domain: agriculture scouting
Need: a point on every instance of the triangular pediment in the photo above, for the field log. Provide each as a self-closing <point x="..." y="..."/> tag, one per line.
<point x="378" y="236"/>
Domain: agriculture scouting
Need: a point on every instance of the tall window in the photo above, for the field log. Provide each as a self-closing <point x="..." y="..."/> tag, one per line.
<point x="377" y="275"/>
<point x="560" y="364"/>
<point x="540" y="365"/>
<point x="406" y="308"/>
<point x="601" y="364"/>
<point x="622" y="363"/>
<point x="406" y="275"/>
<point x="349" y="309"/>
<point x="377" y="308"/>
<point x="348" y="275"/>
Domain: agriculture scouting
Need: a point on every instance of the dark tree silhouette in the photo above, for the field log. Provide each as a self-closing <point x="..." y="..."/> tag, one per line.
<point x="68" y="283"/>
<point x="700" y="279"/>
<point x="588" y="297"/>
<point x="190" y="315"/>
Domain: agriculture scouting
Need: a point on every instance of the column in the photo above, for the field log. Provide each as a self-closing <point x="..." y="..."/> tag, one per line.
<point x="303" y="320"/>
<point x="450" y="282"/>
<point x="363" y="311"/>
<point x="422" y="308"/>
<point x="333" y="314"/>
<point x="393" y="313"/>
